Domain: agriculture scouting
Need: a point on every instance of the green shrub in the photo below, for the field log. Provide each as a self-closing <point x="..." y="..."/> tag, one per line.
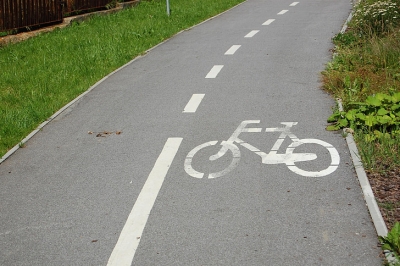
<point x="392" y="241"/>
<point x="379" y="114"/>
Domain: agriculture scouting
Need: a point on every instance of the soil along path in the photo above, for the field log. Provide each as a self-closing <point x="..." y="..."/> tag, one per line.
<point x="278" y="190"/>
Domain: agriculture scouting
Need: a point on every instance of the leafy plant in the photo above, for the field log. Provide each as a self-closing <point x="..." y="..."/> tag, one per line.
<point x="353" y="88"/>
<point x="380" y="114"/>
<point x="346" y="38"/>
<point x="392" y="241"/>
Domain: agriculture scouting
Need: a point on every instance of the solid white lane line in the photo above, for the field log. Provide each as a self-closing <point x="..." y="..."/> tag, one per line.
<point x="214" y="71"/>
<point x="232" y="50"/>
<point x="269" y="21"/>
<point x="251" y="33"/>
<point x="294" y="3"/>
<point x="193" y="103"/>
<point x="283" y="12"/>
<point x="129" y="239"/>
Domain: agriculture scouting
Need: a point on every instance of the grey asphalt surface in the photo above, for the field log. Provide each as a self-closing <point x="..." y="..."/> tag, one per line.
<point x="65" y="198"/>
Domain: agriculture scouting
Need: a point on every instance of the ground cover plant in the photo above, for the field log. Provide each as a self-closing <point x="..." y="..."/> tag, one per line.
<point x="365" y="75"/>
<point x="42" y="74"/>
<point x="392" y="241"/>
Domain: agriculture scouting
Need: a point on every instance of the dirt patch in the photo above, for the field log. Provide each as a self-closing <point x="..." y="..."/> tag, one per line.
<point x="386" y="188"/>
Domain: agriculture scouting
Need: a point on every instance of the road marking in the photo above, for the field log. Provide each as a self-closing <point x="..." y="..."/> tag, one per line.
<point x="129" y="239"/>
<point x="273" y="157"/>
<point x="332" y="151"/>
<point x="235" y="160"/>
<point x="193" y="103"/>
<point x="214" y="72"/>
<point x="251" y="33"/>
<point x="283" y="12"/>
<point x="269" y="21"/>
<point x="294" y="3"/>
<point x="232" y="50"/>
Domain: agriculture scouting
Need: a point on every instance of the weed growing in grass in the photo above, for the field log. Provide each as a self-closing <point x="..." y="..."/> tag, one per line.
<point x="42" y="74"/>
<point x="375" y="18"/>
<point x="379" y="154"/>
<point x="345" y="39"/>
<point x="363" y="67"/>
<point x="392" y="241"/>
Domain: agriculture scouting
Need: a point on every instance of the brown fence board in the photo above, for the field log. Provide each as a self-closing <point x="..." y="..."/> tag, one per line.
<point x="15" y="14"/>
<point x="81" y="5"/>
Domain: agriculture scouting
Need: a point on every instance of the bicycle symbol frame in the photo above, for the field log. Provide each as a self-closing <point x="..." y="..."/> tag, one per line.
<point x="289" y="157"/>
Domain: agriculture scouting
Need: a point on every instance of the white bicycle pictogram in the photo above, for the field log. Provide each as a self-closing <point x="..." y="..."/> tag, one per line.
<point x="289" y="157"/>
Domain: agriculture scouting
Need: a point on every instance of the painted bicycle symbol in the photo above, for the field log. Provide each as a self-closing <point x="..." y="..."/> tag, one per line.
<point x="289" y="157"/>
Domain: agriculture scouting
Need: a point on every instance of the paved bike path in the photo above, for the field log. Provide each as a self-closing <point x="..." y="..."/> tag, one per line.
<point x="66" y="197"/>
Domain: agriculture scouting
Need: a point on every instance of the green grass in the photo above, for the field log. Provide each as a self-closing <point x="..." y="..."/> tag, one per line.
<point x="367" y="62"/>
<point x="379" y="155"/>
<point x="42" y="74"/>
<point x="363" y="67"/>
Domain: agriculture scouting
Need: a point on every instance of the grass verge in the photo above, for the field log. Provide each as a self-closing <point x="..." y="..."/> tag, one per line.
<point x="365" y="74"/>
<point x="365" y="70"/>
<point x="42" y="74"/>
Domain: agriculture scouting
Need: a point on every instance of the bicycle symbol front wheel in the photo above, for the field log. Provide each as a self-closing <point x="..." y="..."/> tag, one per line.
<point x="235" y="153"/>
<point x="334" y="158"/>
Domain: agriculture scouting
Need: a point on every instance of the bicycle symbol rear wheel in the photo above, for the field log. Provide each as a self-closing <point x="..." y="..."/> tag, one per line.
<point x="235" y="153"/>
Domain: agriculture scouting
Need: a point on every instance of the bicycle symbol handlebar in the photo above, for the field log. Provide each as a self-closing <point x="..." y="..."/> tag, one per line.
<point x="289" y="157"/>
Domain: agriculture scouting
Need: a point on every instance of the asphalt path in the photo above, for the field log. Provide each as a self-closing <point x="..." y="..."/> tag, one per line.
<point x="123" y="176"/>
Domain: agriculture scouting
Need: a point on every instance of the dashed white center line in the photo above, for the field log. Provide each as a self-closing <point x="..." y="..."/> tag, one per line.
<point x="129" y="239"/>
<point x="232" y="50"/>
<point x="214" y="72"/>
<point x="283" y="12"/>
<point x="269" y="21"/>
<point x="251" y="33"/>
<point x="294" y="3"/>
<point x="193" y="103"/>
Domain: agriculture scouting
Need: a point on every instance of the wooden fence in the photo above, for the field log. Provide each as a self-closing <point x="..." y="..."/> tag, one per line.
<point x="16" y="14"/>
<point x="80" y="5"/>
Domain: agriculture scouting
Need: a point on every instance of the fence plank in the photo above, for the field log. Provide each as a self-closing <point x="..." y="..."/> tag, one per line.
<point x="15" y="14"/>
<point x="81" y="5"/>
